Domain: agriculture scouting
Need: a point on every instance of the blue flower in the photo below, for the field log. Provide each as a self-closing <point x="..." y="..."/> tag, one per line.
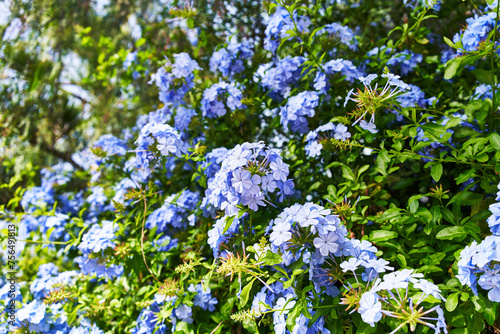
<point x="111" y="145"/>
<point x="98" y="238"/>
<point x="239" y="180"/>
<point x="326" y="244"/>
<point x="344" y="33"/>
<point x="280" y="78"/>
<point x="37" y="198"/>
<point x="368" y="126"/>
<point x="297" y="109"/>
<point x="219" y="97"/>
<point x="93" y="267"/>
<point x="413" y="97"/>
<point x="344" y="67"/>
<point x="370" y="308"/>
<point x="203" y="298"/>
<point x="183" y="118"/>
<point x="477" y="30"/>
<point x="162" y="136"/>
<point x="175" y="84"/>
<point x="279" y="24"/>
<point x="229" y="61"/>
<point x="33" y="312"/>
<point x="406" y="61"/>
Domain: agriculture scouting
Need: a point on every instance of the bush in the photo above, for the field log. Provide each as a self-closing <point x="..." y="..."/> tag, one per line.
<point x="336" y="173"/>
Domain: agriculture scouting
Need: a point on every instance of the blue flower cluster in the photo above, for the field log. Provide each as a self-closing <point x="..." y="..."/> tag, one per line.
<point x="328" y="244"/>
<point x="161" y="137"/>
<point x="279" y="24"/>
<point x="111" y="145"/>
<point x="48" y="278"/>
<point x="412" y="97"/>
<point x="494" y="220"/>
<point x="477" y="30"/>
<point x="97" y="240"/>
<point x="229" y="61"/>
<point x="280" y="78"/>
<point x="484" y="259"/>
<point x="343" y="33"/>
<point x="219" y="97"/>
<point x="37" y="198"/>
<point x="344" y="67"/>
<point x="183" y="117"/>
<point x="327" y="131"/>
<point x="203" y="297"/>
<point x="405" y="61"/>
<point x="298" y="107"/>
<point x="175" y="83"/>
<point x="248" y="172"/>
<point x="38" y="317"/>
<point x="213" y="161"/>
<point x="175" y="211"/>
<point x="483" y="91"/>
<point x="276" y="297"/>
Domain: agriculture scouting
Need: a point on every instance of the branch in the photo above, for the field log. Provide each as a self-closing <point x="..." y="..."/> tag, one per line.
<point x="66" y="156"/>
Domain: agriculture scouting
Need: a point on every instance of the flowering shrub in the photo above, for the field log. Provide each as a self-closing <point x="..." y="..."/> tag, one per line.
<point x="336" y="175"/>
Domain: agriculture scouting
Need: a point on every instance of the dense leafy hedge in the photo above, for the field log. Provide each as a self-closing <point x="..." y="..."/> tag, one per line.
<point x="340" y="174"/>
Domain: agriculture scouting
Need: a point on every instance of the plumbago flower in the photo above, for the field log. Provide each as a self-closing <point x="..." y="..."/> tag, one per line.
<point x="313" y="237"/>
<point x="344" y="67"/>
<point x="95" y="242"/>
<point x="393" y="296"/>
<point x="279" y="25"/>
<point x="405" y="61"/>
<point x="229" y="61"/>
<point x="299" y="107"/>
<point x="247" y="175"/>
<point x="108" y="145"/>
<point x="174" y="215"/>
<point x="342" y="33"/>
<point x="483" y="260"/>
<point x="175" y="80"/>
<point x="279" y="78"/>
<point x="315" y="139"/>
<point x="478" y="28"/>
<point x="157" y="140"/>
<point x="219" y="97"/>
<point x="369" y="100"/>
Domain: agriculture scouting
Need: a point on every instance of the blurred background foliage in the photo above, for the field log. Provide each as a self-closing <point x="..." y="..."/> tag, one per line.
<point x="65" y="78"/>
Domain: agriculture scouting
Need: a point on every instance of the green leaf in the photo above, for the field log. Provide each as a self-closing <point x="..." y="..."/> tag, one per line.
<point x="436" y="172"/>
<point x="449" y="42"/>
<point x="229" y="222"/>
<point x="495" y="140"/>
<point x="382" y="235"/>
<point x="452" y="301"/>
<point x="465" y="176"/>
<point x="484" y="77"/>
<point x="452" y="67"/>
<point x="347" y="173"/>
<point x="245" y="293"/>
<point x="272" y="259"/>
<point x="451" y="232"/>
<point x="490" y="312"/>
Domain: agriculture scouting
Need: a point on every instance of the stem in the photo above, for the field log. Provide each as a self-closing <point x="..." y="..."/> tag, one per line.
<point x="142" y="236"/>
